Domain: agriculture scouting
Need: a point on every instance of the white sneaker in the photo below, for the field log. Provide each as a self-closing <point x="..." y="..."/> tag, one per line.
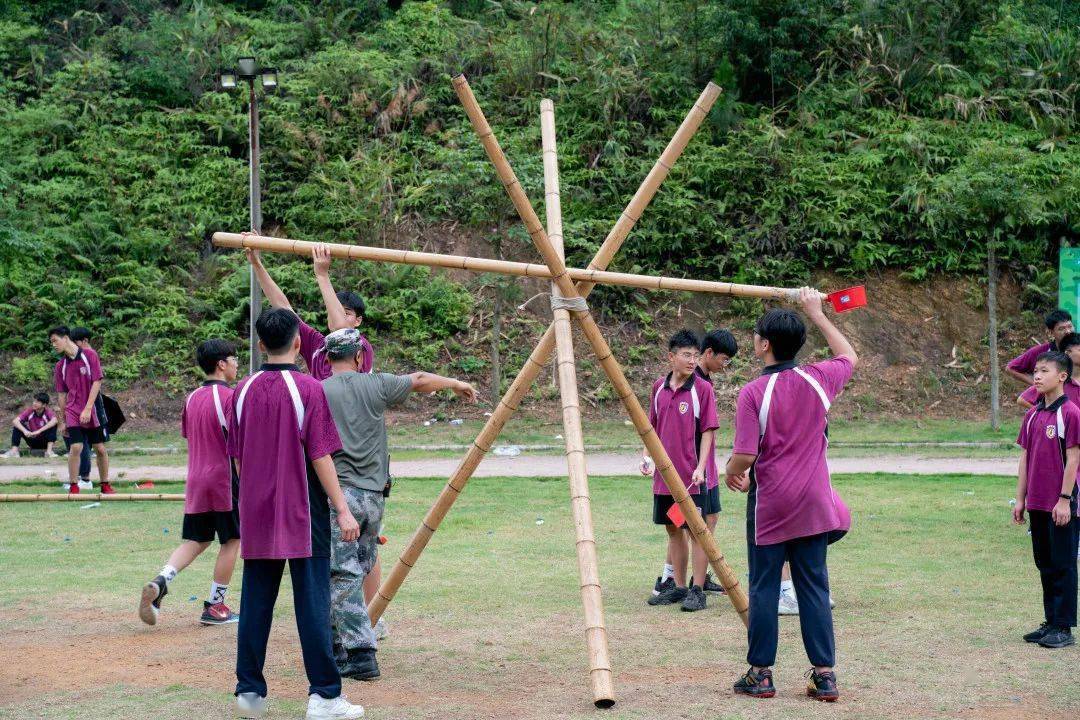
<point x="86" y="485"/>
<point x="11" y="454"/>
<point x="382" y="630"/>
<point x="339" y="708"/>
<point x="789" y="604"/>
<point x="250" y="705"/>
<point x="832" y="603"/>
<point x="50" y="454"/>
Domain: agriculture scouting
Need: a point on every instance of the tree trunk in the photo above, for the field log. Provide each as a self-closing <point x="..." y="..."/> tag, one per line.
<point x="992" y="336"/>
<point x="496" y="362"/>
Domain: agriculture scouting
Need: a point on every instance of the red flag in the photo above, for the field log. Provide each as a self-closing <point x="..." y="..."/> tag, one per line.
<point x="849" y="299"/>
<point x="675" y="515"/>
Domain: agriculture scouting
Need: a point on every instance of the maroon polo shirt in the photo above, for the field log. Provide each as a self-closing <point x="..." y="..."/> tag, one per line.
<point x="313" y="350"/>
<point x="75" y="376"/>
<point x="33" y="422"/>
<point x="1026" y="363"/>
<point x="1046" y="433"/>
<point x="204" y="423"/>
<point x="680" y="417"/>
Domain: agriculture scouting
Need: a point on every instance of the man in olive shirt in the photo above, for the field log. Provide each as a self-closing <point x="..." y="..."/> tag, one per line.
<point x="358" y="403"/>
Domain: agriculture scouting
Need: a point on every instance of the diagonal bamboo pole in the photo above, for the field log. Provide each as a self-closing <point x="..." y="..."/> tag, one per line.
<point x="504" y="267"/>
<point x="584" y="318"/>
<point x="596" y="639"/>
<point x="536" y="361"/>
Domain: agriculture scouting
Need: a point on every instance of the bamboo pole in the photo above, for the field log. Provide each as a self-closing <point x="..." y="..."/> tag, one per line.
<point x="533" y="365"/>
<point x="596" y="640"/>
<point x="736" y="593"/>
<point x="83" y="497"/>
<point x="590" y="275"/>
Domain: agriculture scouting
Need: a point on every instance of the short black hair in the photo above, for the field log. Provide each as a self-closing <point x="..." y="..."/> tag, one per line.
<point x="42" y="398"/>
<point x="61" y="330"/>
<point x="354" y="302"/>
<point x="78" y="334"/>
<point x="210" y="352"/>
<point x="684" y="339"/>
<point x="1057" y="316"/>
<point x="276" y="328"/>
<point x="721" y="342"/>
<point x="785" y="331"/>
<point x="1058" y="358"/>
<point x="1069" y="341"/>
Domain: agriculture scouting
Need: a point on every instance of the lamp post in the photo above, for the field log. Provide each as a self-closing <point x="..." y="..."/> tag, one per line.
<point x="248" y="71"/>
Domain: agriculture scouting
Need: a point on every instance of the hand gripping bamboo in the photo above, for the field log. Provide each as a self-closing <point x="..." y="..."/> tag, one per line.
<point x="596" y="639"/>
<point x="536" y="361"/>
<point x="695" y="522"/>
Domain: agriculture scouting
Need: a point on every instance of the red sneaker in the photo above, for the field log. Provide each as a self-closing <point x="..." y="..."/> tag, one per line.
<point x="107" y="489"/>
<point x="73" y="488"/>
<point x="147" y="485"/>
<point x="218" y="614"/>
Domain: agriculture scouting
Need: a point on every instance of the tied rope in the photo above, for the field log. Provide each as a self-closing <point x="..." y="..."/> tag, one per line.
<point x="576" y="304"/>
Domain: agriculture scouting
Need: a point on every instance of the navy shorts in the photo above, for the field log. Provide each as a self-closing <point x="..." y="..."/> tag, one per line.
<point x="83" y="436"/>
<point x="707" y="502"/>
<point x="202" y="527"/>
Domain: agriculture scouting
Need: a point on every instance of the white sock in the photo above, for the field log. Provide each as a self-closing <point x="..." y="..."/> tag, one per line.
<point x="669" y="572"/>
<point x="169" y="573"/>
<point x="786" y="585"/>
<point x="217" y="593"/>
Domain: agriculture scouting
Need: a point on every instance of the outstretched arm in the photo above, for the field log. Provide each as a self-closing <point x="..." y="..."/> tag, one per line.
<point x="425" y="382"/>
<point x="810" y="300"/>
<point x="270" y="289"/>
<point x="335" y="312"/>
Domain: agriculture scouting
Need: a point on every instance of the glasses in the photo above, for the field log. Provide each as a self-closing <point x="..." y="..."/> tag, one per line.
<point x="687" y="355"/>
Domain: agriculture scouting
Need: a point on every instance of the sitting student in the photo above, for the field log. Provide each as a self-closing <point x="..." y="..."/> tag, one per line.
<point x="81" y="337"/>
<point x="1058" y="325"/>
<point x="682" y="410"/>
<point x="358" y="403"/>
<point x="343" y="310"/>
<point x="1070" y="345"/>
<point x="281" y="437"/>
<point x="1046" y="488"/>
<point x="37" y="426"/>
<point x="78" y="381"/>
<point x="210" y="492"/>
<point x="793" y="513"/>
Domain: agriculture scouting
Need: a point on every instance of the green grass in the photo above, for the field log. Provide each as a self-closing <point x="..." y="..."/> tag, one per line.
<point x="933" y="588"/>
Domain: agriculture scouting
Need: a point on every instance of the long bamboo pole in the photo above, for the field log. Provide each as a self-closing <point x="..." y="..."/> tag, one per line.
<point x="726" y="575"/>
<point x="84" y="497"/>
<point x="596" y="639"/>
<point x="504" y="267"/>
<point x="536" y="361"/>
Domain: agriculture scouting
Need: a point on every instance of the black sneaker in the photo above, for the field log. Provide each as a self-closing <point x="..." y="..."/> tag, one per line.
<point x="822" y="686"/>
<point x="150" y="603"/>
<point x="1036" y="635"/>
<point x="360" y="665"/>
<point x="1057" y="637"/>
<point x="713" y="586"/>
<point x="669" y="597"/>
<point x="694" y="600"/>
<point x="756" y="684"/>
<point x="660" y="587"/>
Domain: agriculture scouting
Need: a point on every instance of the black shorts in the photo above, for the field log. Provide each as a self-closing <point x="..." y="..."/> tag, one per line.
<point x="82" y="436"/>
<point x="707" y="502"/>
<point x="202" y="527"/>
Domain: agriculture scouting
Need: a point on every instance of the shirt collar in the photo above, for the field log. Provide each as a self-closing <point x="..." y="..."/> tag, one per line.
<point x="1052" y="407"/>
<point x="778" y="367"/>
<point x="685" y="386"/>
<point x="280" y="366"/>
<point x="208" y="383"/>
<point x="702" y="373"/>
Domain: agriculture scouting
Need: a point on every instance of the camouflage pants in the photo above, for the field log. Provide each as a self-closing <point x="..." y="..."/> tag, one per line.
<point x="350" y="563"/>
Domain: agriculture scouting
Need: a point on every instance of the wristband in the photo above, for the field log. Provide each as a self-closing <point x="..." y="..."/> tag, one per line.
<point x="1063" y="496"/>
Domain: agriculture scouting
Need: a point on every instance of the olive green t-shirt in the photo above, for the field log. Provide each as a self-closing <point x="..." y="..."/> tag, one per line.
<point x="358" y="402"/>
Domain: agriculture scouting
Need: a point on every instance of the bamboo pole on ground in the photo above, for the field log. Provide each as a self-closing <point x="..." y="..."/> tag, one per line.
<point x="735" y="592"/>
<point x="589" y="275"/>
<point x="596" y="640"/>
<point x="535" y="363"/>
<point x="83" y="497"/>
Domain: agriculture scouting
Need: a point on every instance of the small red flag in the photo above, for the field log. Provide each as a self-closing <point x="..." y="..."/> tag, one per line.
<point x="849" y="299"/>
<point x="675" y="515"/>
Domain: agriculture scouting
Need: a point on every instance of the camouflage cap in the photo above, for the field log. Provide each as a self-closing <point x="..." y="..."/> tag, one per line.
<point x="343" y="343"/>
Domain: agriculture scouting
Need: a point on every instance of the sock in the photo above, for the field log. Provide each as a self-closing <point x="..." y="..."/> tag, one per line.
<point x="169" y="573"/>
<point x="669" y="572"/>
<point x="786" y="585"/>
<point x="217" y="593"/>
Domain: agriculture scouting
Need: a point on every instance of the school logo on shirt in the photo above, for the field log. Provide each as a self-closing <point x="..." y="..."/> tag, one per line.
<point x="1051" y="432"/>
<point x="84" y="371"/>
<point x="683" y="407"/>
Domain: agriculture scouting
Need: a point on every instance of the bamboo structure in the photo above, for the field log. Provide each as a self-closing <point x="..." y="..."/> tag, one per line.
<point x="84" y="497"/>
<point x="590" y="275"/>
<point x="735" y="592"/>
<point x="588" y="567"/>
<point x="535" y="363"/>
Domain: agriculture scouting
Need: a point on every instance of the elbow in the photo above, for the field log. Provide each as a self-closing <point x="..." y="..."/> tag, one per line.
<point x="853" y="357"/>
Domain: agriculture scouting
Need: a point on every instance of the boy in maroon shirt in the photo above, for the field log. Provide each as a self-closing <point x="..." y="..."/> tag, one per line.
<point x="282" y="437"/>
<point x="210" y="493"/>
<point x="1046" y="488"/>
<point x="78" y="381"/>
<point x="1059" y="324"/>
<point x="1070" y="345"/>
<point x="682" y="410"/>
<point x="37" y="426"/>
<point x="793" y="513"/>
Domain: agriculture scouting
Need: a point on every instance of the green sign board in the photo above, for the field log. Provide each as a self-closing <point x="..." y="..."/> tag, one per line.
<point x="1069" y="280"/>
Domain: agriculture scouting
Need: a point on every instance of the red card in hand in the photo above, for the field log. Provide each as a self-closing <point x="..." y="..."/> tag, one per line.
<point x="849" y="299"/>
<point x="675" y="515"/>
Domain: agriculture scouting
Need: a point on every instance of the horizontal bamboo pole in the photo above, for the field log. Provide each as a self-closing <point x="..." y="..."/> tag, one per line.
<point x="84" y="497"/>
<point x="735" y="592"/>
<point x="590" y="275"/>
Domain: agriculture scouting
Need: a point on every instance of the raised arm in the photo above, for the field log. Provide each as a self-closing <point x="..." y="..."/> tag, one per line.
<point x="271" y="291"/>
<point x="335" y="312"/>
<point x="810" y="300"/>
<point x="425" y="382"/>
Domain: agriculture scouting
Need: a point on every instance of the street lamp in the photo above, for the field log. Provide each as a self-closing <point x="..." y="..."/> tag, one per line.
<point x="248" y="71"/>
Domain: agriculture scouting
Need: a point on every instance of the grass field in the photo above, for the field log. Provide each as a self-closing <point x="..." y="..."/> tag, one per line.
<point x="933" y="589"/>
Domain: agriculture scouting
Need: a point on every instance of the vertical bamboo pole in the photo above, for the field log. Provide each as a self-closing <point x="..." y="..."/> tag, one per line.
<point x="539" y="357"/>
<point x="584" y="318"/>
<point x="588" y="567"/>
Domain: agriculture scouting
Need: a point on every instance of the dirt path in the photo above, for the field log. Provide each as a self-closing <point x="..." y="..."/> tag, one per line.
<point x="599" y="464"/>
